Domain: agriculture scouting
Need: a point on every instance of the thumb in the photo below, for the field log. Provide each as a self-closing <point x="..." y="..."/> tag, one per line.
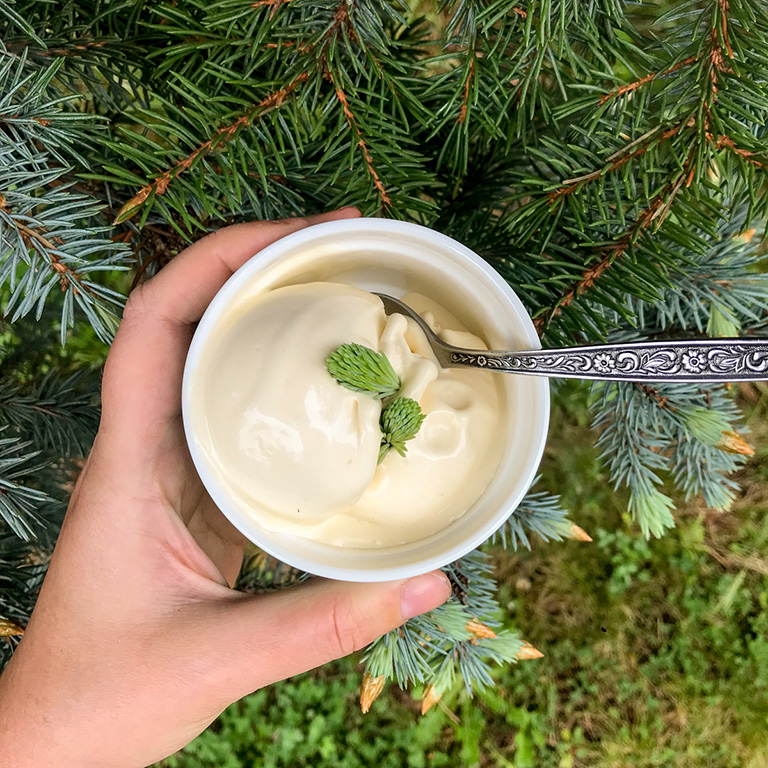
<point x="271" y="637"/>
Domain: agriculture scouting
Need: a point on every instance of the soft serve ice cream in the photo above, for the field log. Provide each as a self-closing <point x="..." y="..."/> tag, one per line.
<point x="299" y="451"/>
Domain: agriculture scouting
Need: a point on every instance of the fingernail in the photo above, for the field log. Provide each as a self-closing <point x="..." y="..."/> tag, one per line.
<point x="423" y="593"/>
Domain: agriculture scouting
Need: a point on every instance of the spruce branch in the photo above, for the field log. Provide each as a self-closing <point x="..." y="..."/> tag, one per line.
<point x="551" y="139"/>
<point x="457" y="639"/>
<point x="385" y="200"/>
<point x="35" y="239"/>
<point x="657" y="209"/>
<point x="57" y="413"/>
<point x="44" y="231"/>
<point x="18" y="501"/>
<point x="36" y="121"/>
<point x="614" y="162"/>
<point x="539" y="512"/>
<point x="160" y="185"/>
<point x="633" y="86"/>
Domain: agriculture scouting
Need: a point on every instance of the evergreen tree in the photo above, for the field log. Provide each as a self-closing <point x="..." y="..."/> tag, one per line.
<point x="608" y="159"/>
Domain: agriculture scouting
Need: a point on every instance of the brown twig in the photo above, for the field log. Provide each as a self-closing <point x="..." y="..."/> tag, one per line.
<point x="727" y="141"/>
<point x="653" y="393"/>
<point x="301" y="45"/>
<point x="716" y="58"/>
<point x="724" y="8"/>
<point x="354" y="125"/>
<point x="44" y="121"/>
<point x="643" y="80"/>
<point x="340" y="19"/>
<point x="15" y="48"/>
<point x="571" y="185"/>
<point x="465" y="103"/>
<point x="161" y="182"/>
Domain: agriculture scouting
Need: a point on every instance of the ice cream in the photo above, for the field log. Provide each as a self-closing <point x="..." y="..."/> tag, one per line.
<point x="299" y="451"/>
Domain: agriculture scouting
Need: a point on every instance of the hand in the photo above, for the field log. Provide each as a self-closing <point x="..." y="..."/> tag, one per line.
<point x="138" y="641"/>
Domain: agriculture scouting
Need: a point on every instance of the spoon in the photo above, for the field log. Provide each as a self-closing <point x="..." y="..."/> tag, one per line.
<point x="698" y="360"/>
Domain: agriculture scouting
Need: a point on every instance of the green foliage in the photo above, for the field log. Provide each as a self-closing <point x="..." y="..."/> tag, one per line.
<point x="400" y="422"/>
<point x="437" y="647"/>
<point x="49" y="238"/>
<point x="362" y="369"/>
<point x="540" y="513"/>
<point x="48" y="419"/>
<point x="18" y="502"/>
<point x="315" y="721"/>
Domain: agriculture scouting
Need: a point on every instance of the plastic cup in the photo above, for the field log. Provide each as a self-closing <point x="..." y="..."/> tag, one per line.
<point x="390" y="257"/>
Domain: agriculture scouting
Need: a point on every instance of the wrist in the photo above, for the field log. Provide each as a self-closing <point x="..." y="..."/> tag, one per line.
<point x="31" y="736"/>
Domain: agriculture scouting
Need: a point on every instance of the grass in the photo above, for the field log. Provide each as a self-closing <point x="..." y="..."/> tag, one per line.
<point x="656" y="653"/>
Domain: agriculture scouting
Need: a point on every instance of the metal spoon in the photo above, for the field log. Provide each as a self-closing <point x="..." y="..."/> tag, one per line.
<point x="699" y="360"/>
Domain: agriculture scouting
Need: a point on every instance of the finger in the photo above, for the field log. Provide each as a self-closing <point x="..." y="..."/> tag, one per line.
<point x="272" y="637"/>
<point x="142" y="379"/>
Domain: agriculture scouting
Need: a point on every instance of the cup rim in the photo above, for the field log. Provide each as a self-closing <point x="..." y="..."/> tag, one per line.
<point x="249" y="527"/>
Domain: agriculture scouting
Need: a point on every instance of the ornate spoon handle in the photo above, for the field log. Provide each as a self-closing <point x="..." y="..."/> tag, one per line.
<point x="706" y="360"/>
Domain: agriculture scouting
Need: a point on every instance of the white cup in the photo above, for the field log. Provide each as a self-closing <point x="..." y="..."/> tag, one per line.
<point x="391" y="257"/>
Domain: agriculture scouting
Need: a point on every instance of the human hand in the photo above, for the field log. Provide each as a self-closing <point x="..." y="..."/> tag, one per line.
<point x="138" y="641"/>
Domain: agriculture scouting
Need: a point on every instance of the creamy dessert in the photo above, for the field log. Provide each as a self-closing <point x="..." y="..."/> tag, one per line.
<point x="299" y="451"/>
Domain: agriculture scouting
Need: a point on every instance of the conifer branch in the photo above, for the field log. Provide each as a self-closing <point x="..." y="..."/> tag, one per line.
<point x="657" y="209"/>
<point x="629" y="87"/>
<point x="619" y="158"/>
<point x="50" y="250"/>
<point x="354" y="126"/>
<point x="729" y="143"/>
<point x="479" y="125"/>
<point x="73" y="49"/>
<point x="467" y="85"/>
<point x="160" y="185"/>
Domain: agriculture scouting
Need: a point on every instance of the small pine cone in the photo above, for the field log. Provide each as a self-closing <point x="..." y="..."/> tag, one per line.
<point x="370" y="690"/>
<point x="9" y="628"/>
<point x="527" y="651"/>
<point x="480" y="630"/>
<point x="429" y="698"/>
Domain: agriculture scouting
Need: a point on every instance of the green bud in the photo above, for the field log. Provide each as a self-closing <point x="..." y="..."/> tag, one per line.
<point x="361" y="369"/>
<point x="400" y="422"/>
<point x="652" y="509"/>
